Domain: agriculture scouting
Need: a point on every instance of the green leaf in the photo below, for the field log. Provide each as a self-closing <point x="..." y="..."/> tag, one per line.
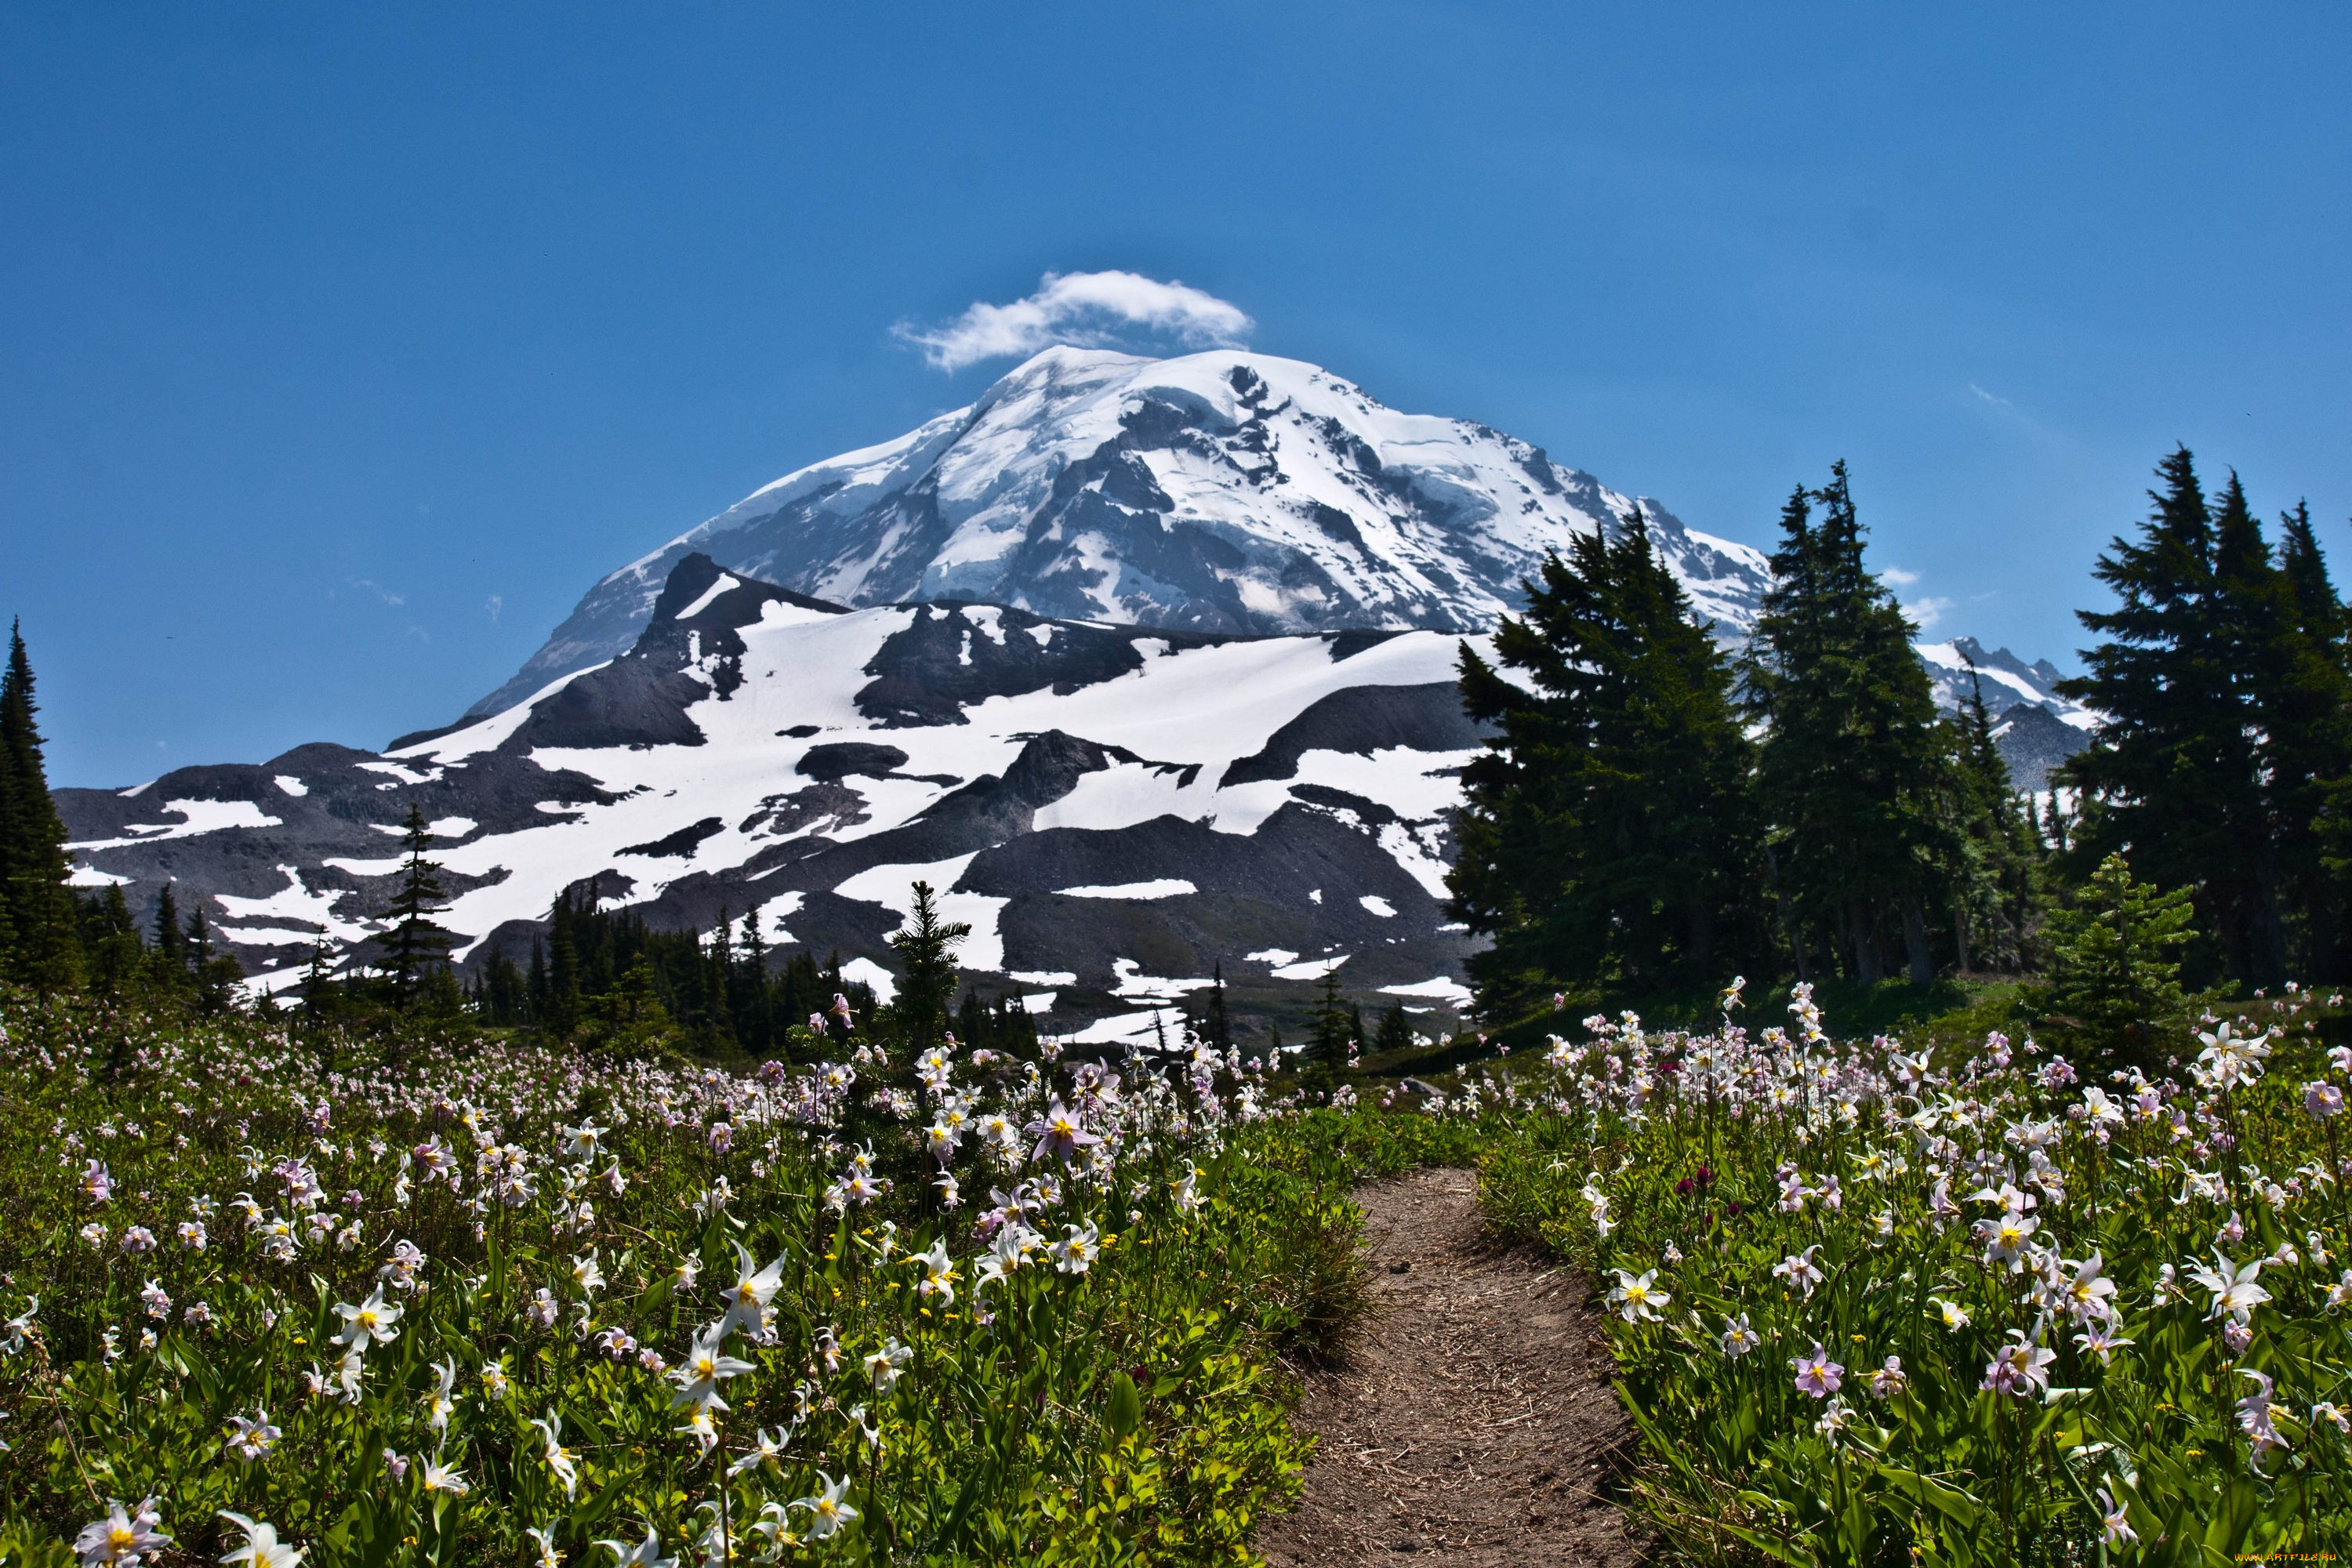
<point x="1125" y="1410"/>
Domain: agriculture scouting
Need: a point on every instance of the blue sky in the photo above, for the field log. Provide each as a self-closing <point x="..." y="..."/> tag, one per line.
<point x="342" y="347"/>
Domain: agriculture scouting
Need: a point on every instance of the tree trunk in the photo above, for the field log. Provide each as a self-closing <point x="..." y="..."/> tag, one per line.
<point x="1961" y="933"/>
<point x="1915" y="940"/>
<point x="1866" y="968"/>
<point x="1789" y="927"/>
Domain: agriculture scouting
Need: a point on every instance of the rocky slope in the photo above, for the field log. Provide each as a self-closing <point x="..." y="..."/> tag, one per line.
<point x="1115" y="809"/>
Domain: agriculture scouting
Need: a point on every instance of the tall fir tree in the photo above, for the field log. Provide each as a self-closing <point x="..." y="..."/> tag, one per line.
<point x="39" y="940"/>
<point x="112" y="953"/>
<point x="1996" y="898"/>
<point x="416" y="943"/>
<point x="925" y="946"/>
<point x="1606" y="839"/>
<point x="754" y="1015"/>
<point x="2216" y="711"/>
<point x="1327" y="1056"/>
<point x="564" y="990"/>
<point x="1854" y="773"/>
<point x="2308" y="698"/>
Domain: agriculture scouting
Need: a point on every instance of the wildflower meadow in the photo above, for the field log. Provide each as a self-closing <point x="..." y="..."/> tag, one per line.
<point x="278" y="1298"/>
<point x="271" y="1299"/>
<point x="1871" y="1306"/>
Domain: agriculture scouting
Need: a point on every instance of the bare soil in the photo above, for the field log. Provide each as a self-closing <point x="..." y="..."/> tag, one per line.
<point x="1473" y="1422"/>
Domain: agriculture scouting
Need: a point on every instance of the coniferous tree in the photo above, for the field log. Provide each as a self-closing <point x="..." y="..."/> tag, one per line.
<point x="629" y="1020"/>
<point x="214" y="974"/>
<point x="502" y="996"/>
<point x="2115" y="963"/>
<point x="1996" y="897"/>
<point x="112" y="954"/>
<point x="2217" y="714"/>
<point x="926" y="947"/>
<point x="754" y="1017"/>
<point x="39" y="943"/>
<point x="718" y="1014"/>
<point x="1396" y="1030"/>
<point x="171" y="949"/>
<point x="1855" y="772"/>
<point x="2252" y="595"/>
<point x="321" y="998"/>
<point x="1327" y="1056"/>
<point x="415" y="942"/>
<point x="563" y="983"/>
<point x="2307" y="701"/>
<point x="1606" y="836"/>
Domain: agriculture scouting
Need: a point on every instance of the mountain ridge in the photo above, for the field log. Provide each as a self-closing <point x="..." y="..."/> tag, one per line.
<point x="1226" y="491"/>
<point x="1119" y="809"/>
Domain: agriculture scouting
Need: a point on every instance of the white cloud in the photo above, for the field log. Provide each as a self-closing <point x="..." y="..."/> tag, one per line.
<point x="1989" y="397"/>
<point x="1086" y="308"/>
<point x="494" y="604"/>
<point x="1898" y="576"/>
<point x="1925" y="613"/>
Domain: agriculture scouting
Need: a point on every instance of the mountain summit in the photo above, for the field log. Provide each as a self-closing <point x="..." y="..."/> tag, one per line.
<point x="1227" y="491"/>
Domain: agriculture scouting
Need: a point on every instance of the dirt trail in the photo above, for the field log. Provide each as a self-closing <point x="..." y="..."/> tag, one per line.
<point x="1473" y="1424"/>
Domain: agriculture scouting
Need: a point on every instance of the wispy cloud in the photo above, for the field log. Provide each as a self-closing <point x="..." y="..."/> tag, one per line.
<point x="1086" y="308"/>
<point x="1997" y="402"/>
<point x="378" y="589"/>
<point x="1898" y="576"/>
<point x="494" y="604"/>
<point x="1925" y="613"/>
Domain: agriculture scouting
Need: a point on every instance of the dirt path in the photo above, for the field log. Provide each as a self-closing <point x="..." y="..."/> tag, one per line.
<point x="1475" y="1422"/>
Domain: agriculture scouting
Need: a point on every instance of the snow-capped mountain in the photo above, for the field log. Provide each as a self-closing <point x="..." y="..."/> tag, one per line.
<point x="1147" y="665"/>
<point x="1115" y="809"/>
<point x="1227" y="491"/>
<point x="2034" y="729"/>
<point x="1962" y="664"/>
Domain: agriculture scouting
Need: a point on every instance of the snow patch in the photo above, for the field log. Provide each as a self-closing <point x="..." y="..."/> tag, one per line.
<point x="1158" y="888"/>
<point x="441" y="827"/>
<point x="1144" y="1028"/>
<point x="865" y="971"/>
<point x="291" y="786"/>
<point x="780" y="909"/>
<point x="295" y="903"/>
<point x="1441" y="989"/>
<point x="1378" y="906"/>
<point x="1311" y="969"/>
<point x="893" y="887"/>
<point x="702" y="602"/>
<point x="201" y="816"/>
<point x="1134" y="984"/>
